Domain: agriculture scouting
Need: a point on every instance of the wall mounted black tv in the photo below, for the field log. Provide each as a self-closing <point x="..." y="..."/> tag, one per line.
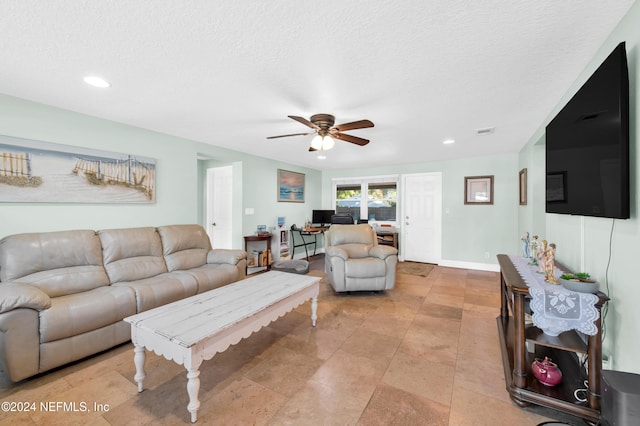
<point x="587" y="146"/>
<point x="322" y="217"/>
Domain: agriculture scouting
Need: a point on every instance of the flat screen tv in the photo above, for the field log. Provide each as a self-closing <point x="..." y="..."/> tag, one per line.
<point x="322" y="217"/>
<point x="587" y="146"/>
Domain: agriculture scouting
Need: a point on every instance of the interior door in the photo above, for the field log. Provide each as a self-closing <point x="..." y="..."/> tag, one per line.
<point x="421" y="239"/>
<point x="219" y="203"/>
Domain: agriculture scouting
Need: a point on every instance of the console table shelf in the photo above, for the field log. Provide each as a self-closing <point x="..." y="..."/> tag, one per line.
<point x="514" y="334"/>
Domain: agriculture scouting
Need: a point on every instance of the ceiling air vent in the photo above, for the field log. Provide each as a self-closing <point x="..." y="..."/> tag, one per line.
<point x="485" y="131"/>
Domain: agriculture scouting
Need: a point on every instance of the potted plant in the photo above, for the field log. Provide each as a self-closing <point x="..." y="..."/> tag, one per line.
<point x="580" y="282"/>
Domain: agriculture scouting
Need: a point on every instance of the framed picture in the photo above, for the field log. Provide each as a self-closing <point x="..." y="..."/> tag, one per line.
<point x="290" y="186"/>
<point x="33" y="171"/>
<point x="523" y="186"/>
<point x="556" y="187"/>
<point x="478" y="190"/>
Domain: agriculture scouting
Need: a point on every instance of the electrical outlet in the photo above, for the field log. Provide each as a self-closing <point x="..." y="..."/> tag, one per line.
<point x="487" y="255"/>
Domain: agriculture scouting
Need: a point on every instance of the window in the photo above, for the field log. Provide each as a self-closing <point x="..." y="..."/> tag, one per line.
<point x="348" y="199"/>
<point x="382" y="200"/>
<point x="373" y="198"/>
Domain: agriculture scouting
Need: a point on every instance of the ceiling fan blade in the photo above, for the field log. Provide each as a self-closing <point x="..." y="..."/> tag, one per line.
<point x="348" y="138"/>
<point x="303" y="121"/>
<point x="311" y="149"/>
<point x="292" y="134"/>
<point x="361" y="124"/>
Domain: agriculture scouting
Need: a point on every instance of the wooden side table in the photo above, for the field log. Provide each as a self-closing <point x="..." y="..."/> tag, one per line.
<point x="257" y="238"/>
<point x="514" y="333"/>
<point x="388" y="238"/>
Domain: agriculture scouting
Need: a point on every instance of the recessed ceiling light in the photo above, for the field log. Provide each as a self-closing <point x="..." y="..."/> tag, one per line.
<point x="96" y="81"/>
<point x="321" y="157"/>
<point x="448" y="141"/>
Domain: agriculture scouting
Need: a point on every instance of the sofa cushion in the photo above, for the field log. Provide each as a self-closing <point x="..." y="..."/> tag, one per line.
<point x="132" y="254"/>
<point x="185" y="246"/>
<point x="356" y="251"/>
<point x="58" y="263"/>
<point x="345" y="234"/>
<point x="369" y="267"/>
<point x="213" y="276"/>
<point x="82" y="312"/>
<point x="161" y="289"/>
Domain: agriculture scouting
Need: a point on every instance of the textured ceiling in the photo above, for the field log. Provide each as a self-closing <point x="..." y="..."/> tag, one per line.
<point x="229" y="72"/>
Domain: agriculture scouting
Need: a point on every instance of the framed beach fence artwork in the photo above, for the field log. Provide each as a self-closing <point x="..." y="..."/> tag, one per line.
<point x="290" y="186"/>
<point x="42" y="172"/>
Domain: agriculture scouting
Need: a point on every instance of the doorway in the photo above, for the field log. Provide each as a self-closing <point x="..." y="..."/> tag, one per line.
<point x="422" y="217"/>
<point x="219" y="206"/>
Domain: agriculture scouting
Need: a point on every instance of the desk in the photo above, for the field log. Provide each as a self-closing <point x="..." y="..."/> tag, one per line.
<point x="304" y="243"/>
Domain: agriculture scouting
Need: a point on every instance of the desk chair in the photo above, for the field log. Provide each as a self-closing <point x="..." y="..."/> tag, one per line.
<point x="342" y="218"/>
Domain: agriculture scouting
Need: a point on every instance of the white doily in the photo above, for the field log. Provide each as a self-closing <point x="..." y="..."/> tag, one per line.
<point x="556" y="309"/>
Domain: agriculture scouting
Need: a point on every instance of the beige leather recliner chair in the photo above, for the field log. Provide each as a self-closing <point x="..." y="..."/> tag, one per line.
<point x="355" y="262"/>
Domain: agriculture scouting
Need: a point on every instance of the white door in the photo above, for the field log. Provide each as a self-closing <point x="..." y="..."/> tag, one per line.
<point x="421" y="239"/>
<point x="219" y="200"/>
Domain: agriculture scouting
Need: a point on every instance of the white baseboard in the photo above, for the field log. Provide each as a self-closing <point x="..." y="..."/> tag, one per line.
<point x="470" y="265"/>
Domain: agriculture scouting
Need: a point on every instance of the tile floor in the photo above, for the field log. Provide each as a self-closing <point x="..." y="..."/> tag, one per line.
<point x="425" y="353"/>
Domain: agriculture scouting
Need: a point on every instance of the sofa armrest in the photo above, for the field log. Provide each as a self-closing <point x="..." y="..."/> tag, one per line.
<point x="229" y="256"/>
<point x="333" y="251"/>
<point x="18" y="295"/>
<point x="382" y="252"/>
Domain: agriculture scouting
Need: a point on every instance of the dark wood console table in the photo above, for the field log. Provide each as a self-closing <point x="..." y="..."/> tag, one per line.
<point x="514" y="334"/>
<point x="267" y="241"/>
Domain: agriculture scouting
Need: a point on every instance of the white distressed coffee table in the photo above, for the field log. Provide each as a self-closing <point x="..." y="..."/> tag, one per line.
<point x="193" y="330"/>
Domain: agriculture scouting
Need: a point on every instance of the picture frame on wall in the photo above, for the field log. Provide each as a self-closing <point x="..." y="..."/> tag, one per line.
<point x="478" y="190"/>
<point x="522" y="183"/>
<point x="33" y="171"/>
<point x="291" y="186"/>
<point x="556" y="187"/>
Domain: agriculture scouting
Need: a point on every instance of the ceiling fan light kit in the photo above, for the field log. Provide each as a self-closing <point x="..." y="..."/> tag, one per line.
<point x="322" y="143"/>
<point x="326" y="132"/>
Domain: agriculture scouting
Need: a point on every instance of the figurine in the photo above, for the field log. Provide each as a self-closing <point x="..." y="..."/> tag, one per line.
<point x="541" y="256"/>
<point x="525" y="245"/>
<point x="533" y="250"/>
<point x="550" y="266"/>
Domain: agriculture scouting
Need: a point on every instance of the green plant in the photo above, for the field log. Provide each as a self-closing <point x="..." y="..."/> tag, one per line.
<point x="583" y="275"/>
<point x="568" y="276"/>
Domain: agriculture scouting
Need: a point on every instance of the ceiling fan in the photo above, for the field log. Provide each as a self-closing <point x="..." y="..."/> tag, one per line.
<point x="326" y="132"/>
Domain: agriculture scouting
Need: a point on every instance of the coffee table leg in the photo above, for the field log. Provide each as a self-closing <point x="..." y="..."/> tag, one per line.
<point x="193" y="387"/>
<point x="314" y="310"/>
<point x="138" y="360"/>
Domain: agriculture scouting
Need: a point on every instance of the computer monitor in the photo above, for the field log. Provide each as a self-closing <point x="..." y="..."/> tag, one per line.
<point x="322" y="217"/>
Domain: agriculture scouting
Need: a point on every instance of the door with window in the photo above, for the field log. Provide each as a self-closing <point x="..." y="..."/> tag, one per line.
<point x="219" y="204"/>
<point x="422" y="217"/>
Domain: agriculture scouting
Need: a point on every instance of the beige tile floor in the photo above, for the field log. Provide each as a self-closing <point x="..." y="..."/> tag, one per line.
<point x="425" y="353"/>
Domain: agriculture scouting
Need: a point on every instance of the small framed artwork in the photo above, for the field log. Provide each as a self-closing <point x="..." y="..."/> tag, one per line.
<point x="556" y="187"/>
<point x="290" y="186"/>
<point x="523" y="186"/>
<point x="478" y="190"/>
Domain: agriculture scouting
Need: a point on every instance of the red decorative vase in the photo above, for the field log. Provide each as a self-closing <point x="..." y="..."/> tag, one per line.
<point x="546" y="372"/>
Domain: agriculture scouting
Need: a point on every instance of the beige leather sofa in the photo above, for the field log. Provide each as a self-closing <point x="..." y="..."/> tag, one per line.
<point x="355" y="262"/>
<point x="63" y="295"/>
